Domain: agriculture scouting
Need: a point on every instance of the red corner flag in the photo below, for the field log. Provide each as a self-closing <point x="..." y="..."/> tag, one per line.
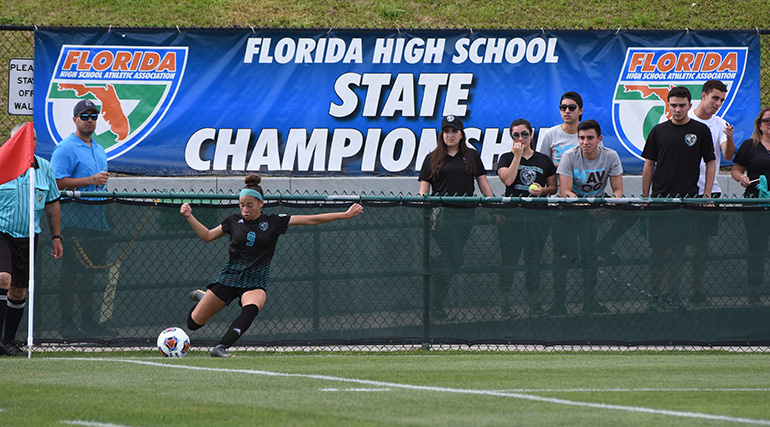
<point x="17" y="155"/>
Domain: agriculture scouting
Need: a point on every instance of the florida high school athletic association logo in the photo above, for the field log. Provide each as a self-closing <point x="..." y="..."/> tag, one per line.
<point x="641" y="94"/>
<point x="133" y="85"/>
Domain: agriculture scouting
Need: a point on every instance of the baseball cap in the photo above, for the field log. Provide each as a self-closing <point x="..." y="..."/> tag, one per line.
<point x="452" y="121"/>
<point x="85" y="105"/>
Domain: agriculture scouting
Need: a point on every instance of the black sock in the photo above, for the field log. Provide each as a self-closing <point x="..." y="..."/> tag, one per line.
<point x="3" y="306"/>
<point x="240" y="325"/>
<point x="191" y="325"/>
<point x="13" y="314"/>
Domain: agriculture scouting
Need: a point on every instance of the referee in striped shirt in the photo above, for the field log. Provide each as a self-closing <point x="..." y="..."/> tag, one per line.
<point x="14" y="243"/>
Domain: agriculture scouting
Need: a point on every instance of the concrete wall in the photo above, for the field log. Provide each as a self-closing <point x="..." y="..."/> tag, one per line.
<point x="632" y="185"/>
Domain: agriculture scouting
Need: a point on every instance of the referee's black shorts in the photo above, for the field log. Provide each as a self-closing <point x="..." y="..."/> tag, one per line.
<point x="14" y="259"/>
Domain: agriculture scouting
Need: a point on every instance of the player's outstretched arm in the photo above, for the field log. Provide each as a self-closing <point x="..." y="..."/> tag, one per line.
<point x="353" y="211"/>
<point x="204" y="233"/>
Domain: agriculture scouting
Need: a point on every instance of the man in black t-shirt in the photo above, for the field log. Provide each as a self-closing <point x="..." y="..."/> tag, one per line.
<point x="672" y="154"/>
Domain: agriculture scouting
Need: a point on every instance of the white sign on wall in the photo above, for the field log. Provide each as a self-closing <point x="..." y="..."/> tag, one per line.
<point x="20" y="82"/>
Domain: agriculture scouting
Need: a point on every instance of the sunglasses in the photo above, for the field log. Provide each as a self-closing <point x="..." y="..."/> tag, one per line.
<point x="765" y="121"/>
<point x="565" y="107"/>
<point x="516" y="135"/>
<point x="84" y="117"/>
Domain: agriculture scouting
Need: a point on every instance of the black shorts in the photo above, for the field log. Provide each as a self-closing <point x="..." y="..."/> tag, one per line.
<point x="14" y="259"/>
<point x="228" y="293"/>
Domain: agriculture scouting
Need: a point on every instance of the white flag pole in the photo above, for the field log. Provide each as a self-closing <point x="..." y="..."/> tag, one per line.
<point x="31" y="296"/>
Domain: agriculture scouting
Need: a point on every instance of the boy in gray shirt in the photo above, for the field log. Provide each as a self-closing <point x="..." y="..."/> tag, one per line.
<point x="585" y="170"/>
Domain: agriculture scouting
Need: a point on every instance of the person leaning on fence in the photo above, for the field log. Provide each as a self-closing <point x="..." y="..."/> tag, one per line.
<point x="713" y="96"/>
<point x="80" y="163"/>
<point x="751" y="163"/>
<point x="554" y="142"/>
<point x="525" y="173"/>
<point x="585" y="171"/>
<point x="672" y="153"/>
<point x="253" y="238"/>
<point x="451" y="170"/>
<point x="14" y="243"/>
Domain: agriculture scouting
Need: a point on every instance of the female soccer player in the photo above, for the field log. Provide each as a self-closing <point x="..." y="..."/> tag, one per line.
<point x="253" y="237"/>
<point x="450" y="170"/>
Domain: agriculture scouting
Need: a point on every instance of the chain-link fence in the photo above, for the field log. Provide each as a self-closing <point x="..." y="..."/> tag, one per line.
<point x="18" y="42"/>
<point x="15" y="42"/>
<point x="501" y="275"/>
<point x="542" y="276"/>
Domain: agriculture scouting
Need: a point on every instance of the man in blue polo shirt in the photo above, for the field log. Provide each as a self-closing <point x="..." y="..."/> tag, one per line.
<point x="80" y="163"/>
<point x="14" y="243"/>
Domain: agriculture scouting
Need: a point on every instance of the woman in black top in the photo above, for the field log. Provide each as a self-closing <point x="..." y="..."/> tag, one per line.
<point x="451" y="170"/>
<point x="752" y="161"/>
<point x="525" y="173"/>
<point x="253" y="237"/>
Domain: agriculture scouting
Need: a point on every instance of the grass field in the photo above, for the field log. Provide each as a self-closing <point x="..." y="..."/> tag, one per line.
<point x="692" y="14"/>
<point x="403" y="388"/>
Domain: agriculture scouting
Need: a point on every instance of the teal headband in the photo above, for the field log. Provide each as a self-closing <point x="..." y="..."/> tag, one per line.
<point x="250" y="192"/>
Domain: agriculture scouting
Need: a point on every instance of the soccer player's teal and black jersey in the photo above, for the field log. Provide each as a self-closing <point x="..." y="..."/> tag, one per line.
<point x="252" y="244"/>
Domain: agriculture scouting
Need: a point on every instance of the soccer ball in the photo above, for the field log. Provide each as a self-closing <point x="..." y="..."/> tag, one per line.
<point x="173" y="342"/>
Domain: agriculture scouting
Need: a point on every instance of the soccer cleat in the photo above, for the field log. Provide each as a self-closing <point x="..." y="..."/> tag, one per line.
<point x="197" y="295"/>
<point x="69" y="331"/>
<point x="754" y="299"/>
<point x="653" y="303"/>
<point x="12" y="349"/>
<point x="221" y="351"/>
<point x="673" y="301"/>
<point x="557" y="310"/>
<point x="2" y="349"/>
<point x="506" y="312"/>
<point x="439" y="314"/>
<point x="699" y="298"/>
<point x="536" y="310"/>
<point x="594" y="308"/>
<point x="97" y="330"/>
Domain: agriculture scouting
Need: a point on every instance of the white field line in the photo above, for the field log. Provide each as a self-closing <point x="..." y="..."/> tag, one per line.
<point x="626" y="390"/>
<point x="354" y="389"/>
<point x="90" y="423"/>
<point x="522" y="396"/>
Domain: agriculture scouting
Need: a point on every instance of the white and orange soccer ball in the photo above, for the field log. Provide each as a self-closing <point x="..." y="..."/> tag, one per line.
<point x="173" y="342"/>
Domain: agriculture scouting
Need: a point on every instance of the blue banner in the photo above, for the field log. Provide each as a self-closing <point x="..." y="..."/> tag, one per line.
<point x="366" y="102"/>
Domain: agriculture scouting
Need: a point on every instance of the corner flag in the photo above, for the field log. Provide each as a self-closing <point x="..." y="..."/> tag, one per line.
<point x="17" y="155"/>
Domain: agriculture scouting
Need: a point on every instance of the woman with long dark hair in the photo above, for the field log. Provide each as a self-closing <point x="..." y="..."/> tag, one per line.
<point x="452" y="169"/>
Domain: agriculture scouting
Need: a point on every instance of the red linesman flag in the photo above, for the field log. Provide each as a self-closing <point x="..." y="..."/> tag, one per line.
<point x="17" y="154"/>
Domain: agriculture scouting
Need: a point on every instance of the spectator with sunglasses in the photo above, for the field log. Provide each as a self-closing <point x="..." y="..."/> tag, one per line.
<point x="558" y="139"/>
<point x="554" y="142"/>
<point x="751" y="163"/>
<point x="525" y="173"/>
<point x="80" y="163"/>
